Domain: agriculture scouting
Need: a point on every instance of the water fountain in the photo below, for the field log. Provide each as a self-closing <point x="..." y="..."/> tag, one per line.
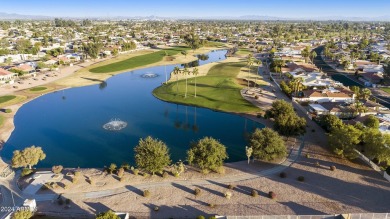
<point x="149" y="75"/>
<point x="115" y="125"/>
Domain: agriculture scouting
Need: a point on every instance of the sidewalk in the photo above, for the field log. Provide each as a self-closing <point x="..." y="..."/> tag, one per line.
<point x="45" y="78"/>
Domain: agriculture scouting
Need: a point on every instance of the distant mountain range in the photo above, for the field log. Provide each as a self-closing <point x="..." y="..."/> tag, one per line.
<point x="8" y="16"/>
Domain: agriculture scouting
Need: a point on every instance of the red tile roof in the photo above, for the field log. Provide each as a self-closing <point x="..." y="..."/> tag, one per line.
<point x="4" y="72"/>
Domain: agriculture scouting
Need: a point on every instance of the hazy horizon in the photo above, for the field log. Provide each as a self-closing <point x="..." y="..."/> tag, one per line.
<point x="198" y="9"/>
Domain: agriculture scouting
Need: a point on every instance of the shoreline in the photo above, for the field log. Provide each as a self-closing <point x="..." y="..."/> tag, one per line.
<point x="8" y="126"/>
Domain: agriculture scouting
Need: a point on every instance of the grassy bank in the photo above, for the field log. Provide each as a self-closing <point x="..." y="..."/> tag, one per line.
<point x="6" y="98"/>
<point x="35" y="89"/>
<point x="9" y="100"/>
<point x="138" y="61"/>
<point x="39" y="90"/>
<point x="218" y="90"/>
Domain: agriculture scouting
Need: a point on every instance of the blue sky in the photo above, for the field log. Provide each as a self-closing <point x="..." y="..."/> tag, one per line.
<point x="199" y="8"/>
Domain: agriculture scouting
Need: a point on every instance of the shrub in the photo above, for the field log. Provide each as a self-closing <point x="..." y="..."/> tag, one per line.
<point x="212" y="205"/>
<point x="136" y="171"/>
<point x="205" y="171"/>
<point x="282" y="175"/>
<point x="165" y="174"/>
<point x="220" y="170"/>
<point x="125" y="166"/>
<point x="146" y="193"/>
<point x="112" y="168"/>
<point x="176" y="174"/>
<point x="146" y="175"/>
<point x="197" y="191"/>
<point x="60" y="201"/>
<point x="54" y="185"/>
<point x="272" y="195"/>
<point x="57" y="169"/>
<point x="254" y="193"/>
<point x="333" y="168"/>
<point x="121" y="179"/>
<point x="8" y="111"/>
<point x="77" y="173"/>
<point x="228" y="195"/>
<point x="231" y="187"/>
<point x="307" y="155"/>
<point x="301" y="178"/>
<point x="200" y="217"/>
<point x="74" y="180"/>
<point x="67" y="201"/>
<point x="156" y="208"/>
<point x="26" y="171"/>
<point x="120" y="172"/>
<point x="66" y="186"/>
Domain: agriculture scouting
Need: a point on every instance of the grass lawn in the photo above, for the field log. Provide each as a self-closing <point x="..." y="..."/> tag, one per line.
<point x="34" y="89"/>
<point x="1" y="120"/>
<point x="386" y="89"/>
<point x="8" y="100"/>
<point x="217" y="90"/>
<point x="243" y="51"/>
<point x="137" y="61"/>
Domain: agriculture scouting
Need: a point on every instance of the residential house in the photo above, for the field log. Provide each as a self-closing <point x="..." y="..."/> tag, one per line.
<point x="7" y="76"/>
<point x="25" y="68"/>
<point x="371" y="79"/>
<point x="314" y="79"/>
<point x="326" y="95"/>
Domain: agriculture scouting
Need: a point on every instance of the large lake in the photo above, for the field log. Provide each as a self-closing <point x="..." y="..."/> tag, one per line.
<point x="68" y="124"/>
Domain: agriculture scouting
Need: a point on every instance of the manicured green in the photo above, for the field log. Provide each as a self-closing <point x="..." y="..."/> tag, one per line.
<point x="386" y="89"/>
<point x="6" y="98"/>
<point x="243" y="51"/>
<point x="217" y="90"/>
<point x="138" y="61"/>
<point x="38" y="88"/>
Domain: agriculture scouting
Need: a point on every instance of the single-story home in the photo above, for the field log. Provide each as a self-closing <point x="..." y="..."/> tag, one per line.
<point x="7" y="76"/>
<point x="326" y="95"/>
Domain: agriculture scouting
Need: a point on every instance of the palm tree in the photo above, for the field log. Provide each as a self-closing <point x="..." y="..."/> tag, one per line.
<point x="186" y="72"/>
<point x="313" y="54"/>
<point x="365" y="93"/>
<point x="176" y="71"/>
<point x="296" y="85"/>
<point x="195" y="72"/>
<point x="258" y="62"/>
<point x="165" y="67"/>
<point x="249" y="63"/>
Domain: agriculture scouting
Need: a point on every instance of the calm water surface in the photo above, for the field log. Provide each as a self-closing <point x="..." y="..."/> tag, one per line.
<point x="68" y="124"/>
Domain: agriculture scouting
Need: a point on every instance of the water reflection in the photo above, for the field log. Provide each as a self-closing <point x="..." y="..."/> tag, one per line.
<point x="201" y="57"/>
<point x="102" y="85"/>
